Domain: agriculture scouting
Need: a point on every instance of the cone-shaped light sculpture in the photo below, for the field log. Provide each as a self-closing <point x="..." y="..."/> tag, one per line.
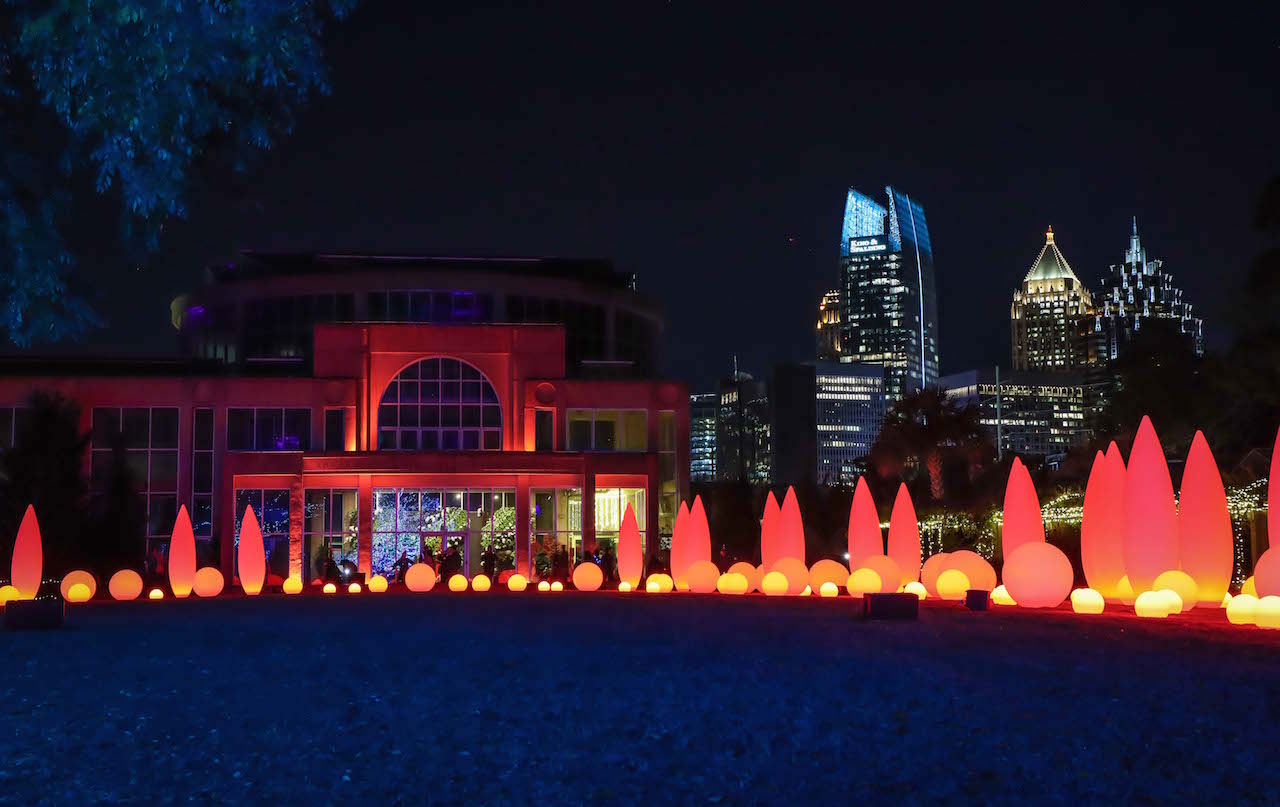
<point x="1150" y="520"/>
<point x="679" y="548"/>
<point x="28" y="557"/>
<point x="1205" y="545"/>
<point x="769" y="532"/>
<point x="630" y="556"/>
<point x="182" y="555"/>
<point x="791" y="528"/>
<point x="1102" y="524"/>
<point x="251" y="556"/>
<point x="864" y="526"/>
<point x="1023" y="523"/>
<point x="698" y="544"/>
<point x="904" y="535"/>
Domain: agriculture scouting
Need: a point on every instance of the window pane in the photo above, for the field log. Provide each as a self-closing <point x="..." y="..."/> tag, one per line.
<point x="239" y="429"/>
<point x="162" y="511"/>
<point x="297" y="429"/>
<point x="579" y="431"/>
<point x="606" y="431"/>
<point x="270" y="430"/>
<point x="202" y="516"/>
<point x="135" y="426"/>
<point x="275" y="512"/>
<point x="106" y="425"/>
<point x="666" y="431"/>
<point x="335" y="430"/>
<point x="202" y="430"/>
<point x="544" y="430"/>
<point x="635" y="431"/>
<point x="164" y="428"/>
<point x="164" y="471"/>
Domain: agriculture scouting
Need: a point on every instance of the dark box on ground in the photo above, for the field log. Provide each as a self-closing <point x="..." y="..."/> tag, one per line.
<point x="891" y="606"/>
<point x="45" y="613"/>
<point x="976" y="599"/>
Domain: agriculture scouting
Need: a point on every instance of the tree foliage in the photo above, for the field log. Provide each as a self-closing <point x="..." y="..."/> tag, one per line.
<point x="126" y="97"/>
<point x="926" y="433"/>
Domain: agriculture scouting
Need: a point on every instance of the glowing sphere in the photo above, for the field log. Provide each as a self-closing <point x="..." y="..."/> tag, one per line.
<point x="624" y="587"/>
<point x="377" y="584"/>
<point x="1086" y="601"/>
<point x="774" y="584"/>
<point x="864" y="537"/>
<point x="329" y="588"/>
<point x="420" y="577"/>
<point x="630" y="555"/>
<point x="917" y="588"/>
<point x="795" y="571"/>
<point x="481" y="582"/>
<point x="934" y="566"/>
<point x="1248" y="586"/>
<point x="664" y="581"/>
<point x="887" y="568"/>
<point x="1242" y="610"/>
<point x="544" y="586"/>
<point x="1000" y="596"/>
<point x="125" y="584"/>
<point x="748" y="571"/>
<point x="1226" y="599"/>
<point x="829" y="589"/>
<point x="354" y="588"/>
<point x="703" y="576"/>
<point x="1205" y="545"/>
<point x="953" y="584"/>
<point x="292" y="586"/>
<point x="731" y="583"/>
<point x="652" y="587"/>
<point x="1181" y="583"/>
<point x="1124" y="591"/>
<point x="250" y="555"/>
<point x="1266" y="572"/>
<point x="8" y="594"/>
<point x="517" y="582"/>
<point x="587" y="576"/>
<point x="1151" y="520"/>
<point x="904" y="536"/>
<point x="557" y="586"/>
<point x="458" y="583"/>
<point x="1172" y="601"/>
<point x="1151" y="605"/>
<point x="1267" y="613"/>
<point x="182" y="555"/>
<point x="208" y="582"/>
<point x="1038" y="575"/>
<point x="78" y="577"/>
<point x="863" y="581"/>
<point x="828" y="571"/>
<point x="156" y="594"/>
<point x="78" y="592"/>
<point x="975" y="567"/>
<point x="28" y="556"/>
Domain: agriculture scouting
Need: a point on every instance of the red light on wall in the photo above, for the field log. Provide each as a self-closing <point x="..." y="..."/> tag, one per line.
<point x="679" y="548"/>
<point x="182" y="555"/>
<point x="251" y="555"/>
<point x="1102" y="524"/>
<point x="864" y="526"/>
<point x="698" y="543"/>
<point x="769" y="554"/>
<point x="791" y="528"/>
<point x="28" y="556"/>
<point x="1023" y="523"/>
<point x="1150" y="520"/>
<point x="1205" y="545"/>
<point x="904" y="535"/>
<point x="630" y="555"/>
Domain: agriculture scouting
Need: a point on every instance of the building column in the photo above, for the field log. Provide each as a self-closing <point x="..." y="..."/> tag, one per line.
<point x="524" y="563"/>
<point x="297" y="518"/>
<point x="588" y="505"/>
<point x="364" y="521"/>
<point x="652" y="497"/>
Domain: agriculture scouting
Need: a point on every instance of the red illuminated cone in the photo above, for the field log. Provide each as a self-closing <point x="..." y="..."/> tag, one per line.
<point x="769" y="532"/>
<point x="904" y="535"/>
<point x="1023" y="522"/>
<point x="28" y="556"/>
<point x="1102" y="524"/>
<point x="182" y="555"/>
<point x="1205" y="545"/>
<point x="791" y="528"/>
<point x="1150" y="520"/>
<point x="680" y="548"/>
<point x="864" y="527"/>
<point x="699" y="544"/>
<point x="630" y="556"/>
<point x="251" y="556"/>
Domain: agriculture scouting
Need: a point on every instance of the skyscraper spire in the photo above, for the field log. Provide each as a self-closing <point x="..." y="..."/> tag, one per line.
<point x="1135" y="226"/>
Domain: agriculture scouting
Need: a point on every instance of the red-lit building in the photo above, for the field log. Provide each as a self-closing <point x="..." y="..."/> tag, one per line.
<point x="389" y="440"/>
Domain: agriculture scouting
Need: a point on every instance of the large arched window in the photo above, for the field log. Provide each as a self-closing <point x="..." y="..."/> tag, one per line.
<point x="439" y="405"/>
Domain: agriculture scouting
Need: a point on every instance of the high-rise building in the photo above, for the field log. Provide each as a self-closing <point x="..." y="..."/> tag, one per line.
<point x="826" y="416"/>
<point x="1139" y="289"/>
<point x="1027" y="413"/>
<point x="829" y="326"/>
<point x="703" y="408"/>
<point x="743" y="437"/>
<point x="889" y="308"/>
<point x="1051" y="316"/>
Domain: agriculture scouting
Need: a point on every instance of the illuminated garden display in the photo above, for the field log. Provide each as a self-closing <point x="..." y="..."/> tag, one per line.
<point x="1150" y="517"/>
<point x="1102" y="523"/>
<point x="1038" y="575"/>
<point x="28" y="556"/>
<point x="207" y="582"/>
<point x="88" y="586"/>
<point x="828" y="571"/>
<point x="251" y="555"/>
<point x="769" y="551"/>
<point x="864" y="526"/>
<point x="679" y="546"/>
<point x="182" y="555"/>
<point x="749" y="572"/>
<point x="125" y="584"/>
<point x="904" y="535"/>
<point x="1023" y="521"/>
<point x="790" y="530"/>
<point x="630" y="553"/>
<point x="698" y="542"/>
<point x="703" y="576"/>
<point x="587" y="576"/>
<point x="1205" y="545"/>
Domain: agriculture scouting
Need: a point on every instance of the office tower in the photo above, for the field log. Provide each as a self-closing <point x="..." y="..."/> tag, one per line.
<point x="703" y="408"/>
<point x="826" y="417"/>
<point x="743" y="437"/>
<point x="1031" y="414"/>
<point x="1051" y="317"/>
<point x="829" y="326"/>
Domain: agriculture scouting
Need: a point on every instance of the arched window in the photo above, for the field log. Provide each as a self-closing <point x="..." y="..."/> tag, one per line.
<point x="439" y="405"/>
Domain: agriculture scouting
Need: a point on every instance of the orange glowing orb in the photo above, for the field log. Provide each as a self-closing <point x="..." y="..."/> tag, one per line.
<point x="1266" y="572"/>
<point x="354" y="588"/>
<point x="78" y="577"/>
<point x="377" y="584"/>
<point x="1022" y="521"/>
<point x="28" y="556"/>
<point x="156" y="594"/>
<point x="748" y="571"/>
<point x="863" y="581"/>
<point x="982" y="576"/>
<point x="517" y="582"/>
<point x="864" y="537"/>
<point x="664" y="581"/>
<point x="828" y="571"/>
<point x="557" y="586"/>
<point x="1151" y="605"/>
<point x="732" y="583"/>
<point x="769" y="551"/>
<point x="624" y="587"/>
<point x="1086" y="601"/>
<point x="207" y="582"/>
<point x="1205" y="545"/>
<point x="78" y="592"/>
<point x="329" y="588"/>
<point x="544" y="586"/>
<point x="182" y="555"/>
<point x="1182" y="584"/>
<point x="934" y="566"/>
<point x="796" y="573"/>
<point x="125" y="584"/>
<point x="587" y="576"/>
<point x="774" y="584"/>
<point x="887" y="568"/>
<point x="1267" y="613"/>
<point x="917" y="588"/>
<point x="458" y="583"/>
<point x="1102" y="523"/>
<point x="1038" y="575"/>
<point x="481" y="582"/>
<point x="1242" y="610"/>
<point x="630" y="554"/>
<point x="1124" y="591"/>
<point x="953" y="584"/>
<point x="1000" y="596"/>
<point x="420" y="577"/>
<point x="292" y="586"/>
<point x="251" y="555"/>
<point x="829" y="589"/>
<point x="904" y="536"/>
<point x="652" y="587"/>
<point x="8" y="594"/>
<point x="703" y="576"/>
<point x="1151" y="520"/>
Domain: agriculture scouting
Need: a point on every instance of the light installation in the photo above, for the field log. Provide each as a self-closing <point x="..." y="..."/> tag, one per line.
<point x="207" y="582"/>
<point x="544" y="586"/>
<point x="917" y="588"/>
<point x="1087" y="601"/>
<point x="698" y="541"/>
<point x="1271" y="585"/>
<point x="125" y="584"/>
<point x="1150" y="520"/>
<point x="377" y="584"/>
<point x="329" y="588"/>
<point x="732" y="583"/>
<point x="934" y="566"/>
<point x="769" y="552"/>
<point x="904" y="535"/>
<point x="863" y="581"/>
<point x="251" y="556"/>
<point x="28" y="557"/>
<point x="182" y="555"/>
<point x="1000" y="596"/>
<point x="156" y="594"/>
<point x="458" y="583"/>
<point x="1248" y="587"/>
<point x="1172" y="601"/>
<point x="679" y="541"/>
<point x="1266" y="572"/>
<point x="829" y="589"/>
<point x="1102" y="523"/>
<point x="774" y="584"/>
<point x="1038" y="575"/>
<point x="953" y="585"/>
<point x="81" y="578"/>
<point x="1205" y="543"/>
<point x="791" y="529"/>
<point x="78" y="592"/>
<point x="481" y="582"/>
<point x="1267" y="613"/>
<point x="1181" y="584"/>
<point x="887" y="568"/>
<point x="354" y="588"/>
<point x="1124" y="591"/>
<point x="663" y="581"/>
<point x="981" y="575"/>
<point x="828" y="571"/>
<point x="750" y="573"/>
<point x="420" y="577"/>
<point x="587" y="576"/>
<point x="703" y="576"/>
<point x="8" y="594"/>
<point x="556" y="585"/>
<point x="518" y="582"/>
<point x="864" y="526"/>
<point x="630" y="554"/>
<point x="292" y="586"/>
<point x="1151" y="605"/>
<point x="795" y="572"/>
<point x="1023" y="522"/>
<point x="624" y="587"/>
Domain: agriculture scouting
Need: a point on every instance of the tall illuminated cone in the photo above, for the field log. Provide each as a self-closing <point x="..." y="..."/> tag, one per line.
<point x="698" y="546"/>
<point x="769" y="525"/>
<point x="182" y="555"/>
<point x="1273" y="493"/>
<point x="864" y="526"/>
<point x="904" y="535"/>
<point x="680" y="548"/>
<point x="1023" y="522"/>
<point x="791" y="528"/>
<point x="250" y="555"/>
<point x="1150" y="520"/>
<point x="1102" y="524"/>
<point x="1266" y="571"/>
<point x="630" y="556"/>
<point x="28" y="557"/>
<point x="1205" y="544"/>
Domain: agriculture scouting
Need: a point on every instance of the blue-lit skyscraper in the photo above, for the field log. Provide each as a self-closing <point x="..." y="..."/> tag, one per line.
<point x="889" y="312"/>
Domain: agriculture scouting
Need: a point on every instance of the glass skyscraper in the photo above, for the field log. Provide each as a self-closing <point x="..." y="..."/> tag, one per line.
<point x="704" y="408"/>
<point x="889" y="311"/>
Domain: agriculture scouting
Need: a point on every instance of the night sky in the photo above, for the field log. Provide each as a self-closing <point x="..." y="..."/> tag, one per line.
<point x="708" y="150"/>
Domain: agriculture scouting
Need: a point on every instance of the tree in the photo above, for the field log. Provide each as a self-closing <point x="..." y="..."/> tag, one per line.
<point x="923" y="433"/>
<point x="116" y="538"/>
<point x="128" y="97"/>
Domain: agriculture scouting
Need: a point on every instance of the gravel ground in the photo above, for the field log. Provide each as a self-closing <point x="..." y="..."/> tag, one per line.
<point x="571" y="698"/>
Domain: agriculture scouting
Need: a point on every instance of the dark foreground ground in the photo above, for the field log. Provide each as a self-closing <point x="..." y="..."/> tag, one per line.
<point x="493" y="698"/>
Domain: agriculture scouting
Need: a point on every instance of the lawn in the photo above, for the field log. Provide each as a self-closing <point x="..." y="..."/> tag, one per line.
<point x="555" y="698"/>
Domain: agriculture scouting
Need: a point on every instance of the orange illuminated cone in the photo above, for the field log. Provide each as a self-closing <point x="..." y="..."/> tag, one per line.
<point x="630" y="556"/>
<point x="1150" y="520"/>
<point x="680" y="548"/>
<point x="1273" y="493"/>
<point x="698" y="546"/>
<point x="1102" y="524"/>
<point x="182" y="555"/>
<point x="28" y="557"/>
<point x="1205" y="544"/>
<point x="864" y="526"/>
<point x="251" y="555"/>
<point x="769" y="532"/>
<point x="904" y="535"/>
<point x="791" y="528"/>
<point x="1023" y="523"/>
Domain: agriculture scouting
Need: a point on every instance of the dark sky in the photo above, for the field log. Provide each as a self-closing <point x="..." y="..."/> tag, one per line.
<point x="707" y="148"/>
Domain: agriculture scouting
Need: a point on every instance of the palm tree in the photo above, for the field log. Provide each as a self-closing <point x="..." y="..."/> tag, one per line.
<point x="922" y="433"/>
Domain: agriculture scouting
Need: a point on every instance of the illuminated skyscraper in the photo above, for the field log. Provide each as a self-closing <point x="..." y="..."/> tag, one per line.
<point x="829" y="326"/>
<point x="703" y="409"/>
<point x="889" y="307"/>
<point x="743" y="438"/>
<point x="1051" y="317"/>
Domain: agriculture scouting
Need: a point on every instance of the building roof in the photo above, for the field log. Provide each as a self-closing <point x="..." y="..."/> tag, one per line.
<point x="1050" y="264"/>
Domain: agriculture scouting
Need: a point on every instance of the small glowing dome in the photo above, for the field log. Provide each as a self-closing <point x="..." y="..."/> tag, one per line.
<point x="1152" y="605"/>
<point x="829" y="589"/>
<point x="354" y="588"/>
<point x="702" y="576"/>
<point x="953" y="584"/>
<point x="1038" y="575"/>
<point x="1249" y="587"/>
<point x="156" y="594"/>
<point x="329" y="588"/>
<point x="1086" y="601"/>
<point x="420" y="577"/>
<point x="1172" y="600"/>
<point x="517" y="582"/>
<point x="1181" y="583"/>
<point x="807" y="591"/>
<point x="774" y="584"/>
<point x="828" y="571"/>
<point x="1000" y="596"/>
<point x="587" y="576"/>
<point x="207" y="582"/>
<point x="557" y="586"/>
<point x="1226" y="600"/>
<point x="917" y="588"/>
<point x="624" y="587"/>
<point x="78" y="592"/>
<point x="544" y="586"/>
<point x="1124" y="591"/>
<point x="933" y="566"/>
<point x="83" y="578"/>
<point x="1267" y="612"/>
<point x="652" y="587"/>
<point x="796" y="573"/>
<point x="749" y="571"/>
<point x="732" y="583"/>
<point x="377" y="584"/>
<point x="887" y="568"/>
<point x="458" y="583"/>
<point x="481" y="582"/>
<point x="1242" y="610"/>
<point x="664" y="581"/>
<point x="125" y="584"/>
<point x="9" y="594"/>
<point x="292" y="586"/>
<point x="863" y="581"/>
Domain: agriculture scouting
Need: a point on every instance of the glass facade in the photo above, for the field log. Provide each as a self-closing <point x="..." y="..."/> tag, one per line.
<point x="555" y="534"/>
<point x="850" y="409"/>
<point x="702" y="435"/>
<point x="145" y="440"/>
<point x="439" y="405"/>
<point x="466" y="530"/>
<point x="329" y="529"/>
<point x="744" y="435"/>
<point x="1038" y="414"/>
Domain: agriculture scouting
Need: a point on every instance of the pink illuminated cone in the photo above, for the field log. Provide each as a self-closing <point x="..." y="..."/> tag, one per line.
<point x="630" y="556"/>
<point x="904" y="535"/>
<point x="864" y="527"/>
<point x="1150" y="520"/>
<point x="1205" y="545"/>
<point x="28" y="556"/>
<point x="791" y="528"/>
<point x="680" y="548"/>
<point x="769" y="532"/>
<point x="1102" y="524"/>
<point x="251" y="556"/>
<point x="182" y="555"/>
<point x="699" y="544"/>
<point x="1023" y="522"/>
<point x="1273" y="494"/>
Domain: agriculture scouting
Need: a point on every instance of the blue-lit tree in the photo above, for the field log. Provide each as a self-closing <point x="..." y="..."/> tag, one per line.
<point x="127" y="97"/>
